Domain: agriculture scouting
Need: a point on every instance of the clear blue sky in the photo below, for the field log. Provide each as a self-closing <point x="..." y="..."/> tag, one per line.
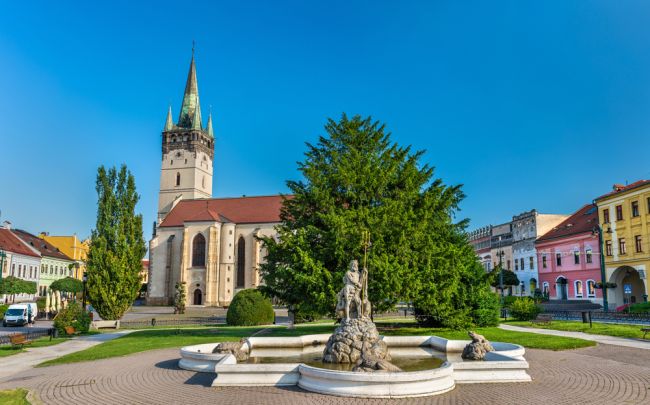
<point x="529" y="104"/>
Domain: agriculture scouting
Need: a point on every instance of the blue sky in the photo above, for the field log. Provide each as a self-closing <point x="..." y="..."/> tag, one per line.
<point x="528" y="104"/>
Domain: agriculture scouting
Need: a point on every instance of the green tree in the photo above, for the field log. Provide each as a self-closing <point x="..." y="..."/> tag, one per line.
<point x="509" y="278"/>
<point x="117" y="245"/>
<point x="180" y="297"/>
<point x="13" y="285"/>
<point x="356" y="179"/>
<point x="68" y="285"/>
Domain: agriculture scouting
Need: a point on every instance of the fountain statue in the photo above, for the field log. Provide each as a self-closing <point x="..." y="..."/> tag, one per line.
<point x="356" y="340"/>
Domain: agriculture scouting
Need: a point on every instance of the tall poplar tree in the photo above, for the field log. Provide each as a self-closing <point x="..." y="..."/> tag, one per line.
<point x="356" y="179"/>
<point x="117" y="245"/>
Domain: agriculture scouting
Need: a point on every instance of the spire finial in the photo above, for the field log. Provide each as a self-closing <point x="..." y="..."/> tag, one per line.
<point x="193" y="45"/>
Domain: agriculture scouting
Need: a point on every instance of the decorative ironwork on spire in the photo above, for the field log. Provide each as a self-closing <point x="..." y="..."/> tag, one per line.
<point x="191" y="108"/>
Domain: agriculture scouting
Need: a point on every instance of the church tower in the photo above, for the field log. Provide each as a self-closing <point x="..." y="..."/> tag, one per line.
<point x="187" y="152"/>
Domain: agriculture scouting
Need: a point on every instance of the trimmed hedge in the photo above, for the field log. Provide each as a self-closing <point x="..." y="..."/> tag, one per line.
<point x="249" y="308"/>
<point x="525" y="309"/>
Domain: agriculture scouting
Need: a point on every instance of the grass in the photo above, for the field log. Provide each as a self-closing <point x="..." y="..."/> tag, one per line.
<point x="14" y="397"/>
<point x="618" y="330"/>
<point x="8" y="350"/>
<point x="151" y="339"/>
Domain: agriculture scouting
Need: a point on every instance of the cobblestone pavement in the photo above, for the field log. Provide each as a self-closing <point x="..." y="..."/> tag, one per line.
<point x="597" y="375"/>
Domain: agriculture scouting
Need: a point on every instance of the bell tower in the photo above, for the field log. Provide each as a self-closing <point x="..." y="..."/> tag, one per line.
<point x="187" y="152"/>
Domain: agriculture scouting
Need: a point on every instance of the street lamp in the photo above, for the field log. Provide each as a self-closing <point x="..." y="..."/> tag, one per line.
<point x="83" y="298"/>
<point x="598" y="230"/>
<point x="3" y="255"/>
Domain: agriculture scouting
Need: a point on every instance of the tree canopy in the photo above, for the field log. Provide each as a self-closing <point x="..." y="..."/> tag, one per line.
<point x="117" y="245"/>
<point x="509" y="278"/>
<point x="13" y="285"/>
<point x="356" y="180"/>
<point x="68" y="284"/>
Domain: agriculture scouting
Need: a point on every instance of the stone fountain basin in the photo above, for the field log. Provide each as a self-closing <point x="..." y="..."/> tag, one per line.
<point x="505" y="364"/>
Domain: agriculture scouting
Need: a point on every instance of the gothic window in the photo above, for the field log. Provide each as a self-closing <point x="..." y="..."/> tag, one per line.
<point x="241" y="262"/>
<point x="178" y="179"/>
<point x="203" y="182"/>
<point x="198" y="251"/>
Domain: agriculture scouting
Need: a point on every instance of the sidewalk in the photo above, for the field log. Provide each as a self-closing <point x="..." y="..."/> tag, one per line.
<point x="24" y="361"/>
<point x="606" y="340"/>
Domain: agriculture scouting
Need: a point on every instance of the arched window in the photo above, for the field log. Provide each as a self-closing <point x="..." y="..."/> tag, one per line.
<point x="178" y="179"/>
<point x="591" y="289"/>
<point x="578" y="288"/>
<point x="241" y="262"/>
<point x="198" y="251"/>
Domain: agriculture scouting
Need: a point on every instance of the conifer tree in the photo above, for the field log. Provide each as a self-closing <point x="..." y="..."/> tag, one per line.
<point x="117" y="245"/>
<point x="356" y="179"/>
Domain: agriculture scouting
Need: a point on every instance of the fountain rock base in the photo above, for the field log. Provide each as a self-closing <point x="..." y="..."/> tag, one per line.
<point x="352" y="338"/>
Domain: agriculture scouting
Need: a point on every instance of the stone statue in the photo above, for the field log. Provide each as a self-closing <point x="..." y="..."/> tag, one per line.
<point x="478" y="348"/>
<point x="233" y="348"/>
<point x="349" y="303"/>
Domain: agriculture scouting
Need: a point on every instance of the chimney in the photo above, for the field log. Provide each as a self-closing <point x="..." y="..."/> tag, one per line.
<point x="618" y="187"/>
<point x="44" y="233"/>
<point x="6" y="224"/>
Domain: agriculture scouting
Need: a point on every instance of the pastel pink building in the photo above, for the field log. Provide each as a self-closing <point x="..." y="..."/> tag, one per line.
<point x="569" y="258"/>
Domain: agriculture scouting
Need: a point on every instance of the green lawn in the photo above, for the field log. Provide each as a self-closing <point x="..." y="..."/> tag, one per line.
<point x="151" y="339"/>
<point x="7" y="350"/>
<point x="14" y="397"/>
<point x="619" y="330"/>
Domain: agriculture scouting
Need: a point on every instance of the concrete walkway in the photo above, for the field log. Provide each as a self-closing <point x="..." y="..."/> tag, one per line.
<point x="24" y="361"/>
<point x="608" y="340"/>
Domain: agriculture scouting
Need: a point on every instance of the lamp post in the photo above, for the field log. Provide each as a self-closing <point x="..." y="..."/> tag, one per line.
<point x="3" y="255"/>
<point x="598" y="230"/>
<point x="500" y="254"/>
<point x="83" y="297"/>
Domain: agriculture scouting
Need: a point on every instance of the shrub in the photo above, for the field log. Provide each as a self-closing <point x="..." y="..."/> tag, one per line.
<point x="73" y="316"/>
<point x="248" y="308"/>
<point x="40" y="303"/>
<point x="641" y="307"/>
<point x="508" y="300"/>
<point x="179" y="298"/>
<point x="486" y="311"/>
<point x="524" y="309"/>
<point x="3" y="309"/>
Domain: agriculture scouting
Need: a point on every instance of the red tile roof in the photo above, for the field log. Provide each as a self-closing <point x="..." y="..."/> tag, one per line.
<point x="581" y="221"/>
<point x="243" y="210"/>
<point x="12" y="243"/>
<point x="47" y="249"/>
<point x="621" y="189"/>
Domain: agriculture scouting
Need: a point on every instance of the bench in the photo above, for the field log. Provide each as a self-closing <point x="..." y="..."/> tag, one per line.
<point x="69" y="330"/>
<point x="19" y="340"/>
<point x="543" y="318"/>
<point x="645" y="331"/>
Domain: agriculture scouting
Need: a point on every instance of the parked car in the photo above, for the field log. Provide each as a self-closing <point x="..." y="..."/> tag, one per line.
<point x="20" y="314"/>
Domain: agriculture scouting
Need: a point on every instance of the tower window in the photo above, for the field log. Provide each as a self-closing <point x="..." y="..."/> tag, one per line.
<point x="178" y="179"/>
<point x="203" y="182"/>
<point x="171" y="162"/>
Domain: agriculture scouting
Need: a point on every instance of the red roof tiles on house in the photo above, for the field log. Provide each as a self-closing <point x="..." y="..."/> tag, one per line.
<point x="11" y="243"/>
<point x="581" y="221"/>
<point x="620" y="189"/>
<point x="46" y="248"/>
<point x="243" y="210"/>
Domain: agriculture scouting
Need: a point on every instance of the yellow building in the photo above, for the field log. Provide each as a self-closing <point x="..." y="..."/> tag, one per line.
<point x="624" y="216"/>
<point x="72" y="247"/>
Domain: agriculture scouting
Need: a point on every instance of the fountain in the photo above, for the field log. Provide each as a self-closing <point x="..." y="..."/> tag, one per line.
<point x="355" y="360"/>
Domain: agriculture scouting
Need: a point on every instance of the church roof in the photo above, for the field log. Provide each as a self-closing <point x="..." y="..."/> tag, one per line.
<point x="242" y="210"/>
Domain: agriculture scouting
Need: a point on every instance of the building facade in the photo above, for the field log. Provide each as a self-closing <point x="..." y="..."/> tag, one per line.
<point x="481" y="239"/>
<point x="526" y="228"/>
<point x="624" y="217"/>
<point x="501" y="245"/>
<point x="21" y="261"/>
<point x="54" y="264"/>
<point x="73" y="248"/>
<point x="210" y="244"/>
<point x="568" y="258"/>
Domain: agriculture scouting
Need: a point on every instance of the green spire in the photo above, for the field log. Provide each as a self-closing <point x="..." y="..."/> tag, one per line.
<point x="196" y="120"/>
<point x="210" y="132"/>
<point x="169" y="124"/>
<point x="191" y="108"/>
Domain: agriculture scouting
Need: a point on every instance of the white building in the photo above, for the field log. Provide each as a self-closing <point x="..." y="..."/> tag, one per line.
<point x="209" y="243"/>
<point x="21" y="261"/>
<point x="526" y="228"/>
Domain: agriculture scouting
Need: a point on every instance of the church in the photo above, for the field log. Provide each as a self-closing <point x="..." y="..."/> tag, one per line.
<point x="211" y="244"/>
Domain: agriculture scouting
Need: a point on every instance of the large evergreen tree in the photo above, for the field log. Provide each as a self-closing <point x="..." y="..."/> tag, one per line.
<point x="356" y="179"/>
<point x="117" y="245"/>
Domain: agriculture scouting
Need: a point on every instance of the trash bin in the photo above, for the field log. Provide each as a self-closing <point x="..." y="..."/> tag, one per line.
<point x="586" y="317"/>
<point x="504" y="313"/>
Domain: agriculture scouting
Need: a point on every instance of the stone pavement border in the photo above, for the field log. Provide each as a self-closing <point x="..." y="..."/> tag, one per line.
<point x="604" y="339"/>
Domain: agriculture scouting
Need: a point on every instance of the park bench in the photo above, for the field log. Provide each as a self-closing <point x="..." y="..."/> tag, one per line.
<point x="543" y="318"/>
<point x="69" y="330"/>
<point x="645" y="331"/>
<point x="19" y="340"/>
